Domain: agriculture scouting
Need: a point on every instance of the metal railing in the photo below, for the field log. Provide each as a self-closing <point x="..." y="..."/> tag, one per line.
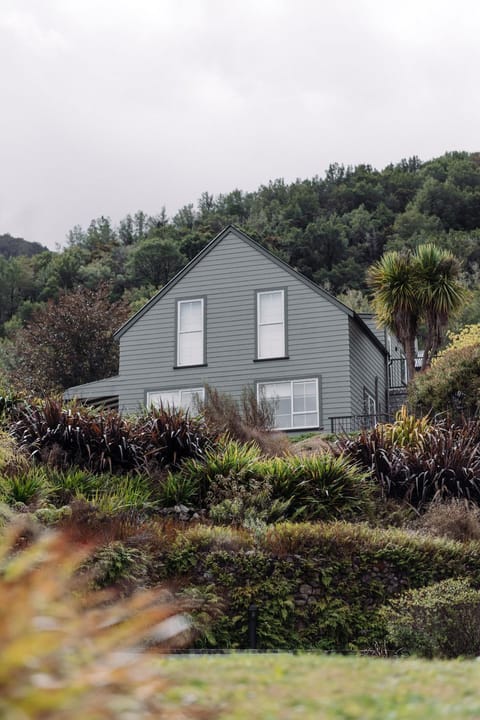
<point x="397" y="373"/>
<point x="341" y="425"/>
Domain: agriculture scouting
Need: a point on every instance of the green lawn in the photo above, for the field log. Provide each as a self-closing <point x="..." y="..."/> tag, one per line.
<point x="281" y="687"/>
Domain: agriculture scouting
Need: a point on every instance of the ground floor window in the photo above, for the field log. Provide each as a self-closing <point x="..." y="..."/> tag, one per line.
<point x="295" y="402"/>
<point x="186" y="398"/>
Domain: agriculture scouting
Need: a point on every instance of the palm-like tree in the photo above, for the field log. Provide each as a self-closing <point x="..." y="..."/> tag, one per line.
<point x="395" y="299"/>
<point x="410" y="287"/>
<point x="440" y="292"/>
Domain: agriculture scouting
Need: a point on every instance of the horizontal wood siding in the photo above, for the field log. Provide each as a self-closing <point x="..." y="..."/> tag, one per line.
<point x="228" y="276"/>
<point x="367" y="362"/>
<point x="99" y="388"/>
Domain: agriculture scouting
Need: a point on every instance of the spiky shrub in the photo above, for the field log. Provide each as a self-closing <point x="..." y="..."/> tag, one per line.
<point x="106" y="441"/>
<point x="320" y="486"/>
<point x="69" y="654"/>
<point x="241" y="479"/>
<point x="167" y="436"/>
<point x="75" y="435"/>
<point x="177" y="489"/>
<point x="444" y="462"/>
<point x="30" y="487"/>
<point x="229" y="459"/>
<point x="440" y="620"/>
<point x="408" y="430"/>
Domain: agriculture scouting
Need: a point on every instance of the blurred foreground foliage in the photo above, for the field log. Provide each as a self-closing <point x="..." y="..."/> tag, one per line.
<point x="68" y="653"/>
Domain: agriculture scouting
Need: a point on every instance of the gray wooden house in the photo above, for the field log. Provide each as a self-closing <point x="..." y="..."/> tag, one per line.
<point x="237" y="315"/>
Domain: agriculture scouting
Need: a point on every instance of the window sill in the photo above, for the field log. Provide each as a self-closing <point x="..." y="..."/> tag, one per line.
<point x="300" y="430"/>
<point x="182" y="367"/>
<point x="282" y="357"/>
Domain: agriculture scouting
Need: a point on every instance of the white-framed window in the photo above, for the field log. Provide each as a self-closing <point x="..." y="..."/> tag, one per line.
<point x="190" y="323"/>
<point x="187" y="399"/>
<point x="270" y="324"/>
<point x="370" y="404"/>
<point x="295" y="402"/>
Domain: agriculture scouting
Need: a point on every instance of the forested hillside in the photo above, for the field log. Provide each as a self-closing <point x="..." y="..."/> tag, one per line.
<point x="14" y="246"/>
<point x="329" y="228"/>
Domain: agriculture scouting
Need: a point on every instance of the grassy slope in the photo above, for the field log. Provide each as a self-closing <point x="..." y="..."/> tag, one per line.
<point x="281" y="687"/>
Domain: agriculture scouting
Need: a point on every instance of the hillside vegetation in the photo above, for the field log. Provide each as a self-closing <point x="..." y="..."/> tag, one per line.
<point x="331" y="229"/>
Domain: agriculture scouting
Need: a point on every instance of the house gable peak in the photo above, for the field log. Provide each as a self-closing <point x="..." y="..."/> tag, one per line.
<point x="227" y="231"/>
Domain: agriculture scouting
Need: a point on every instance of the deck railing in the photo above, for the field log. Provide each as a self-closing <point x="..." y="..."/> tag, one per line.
<point x="397" y="373"/>
<point x="341" y="425"/>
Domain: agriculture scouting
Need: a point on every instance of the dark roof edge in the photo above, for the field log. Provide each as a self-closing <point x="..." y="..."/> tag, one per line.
<point x="253" y="243"/>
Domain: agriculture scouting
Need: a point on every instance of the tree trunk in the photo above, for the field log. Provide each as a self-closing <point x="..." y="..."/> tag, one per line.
<point x="409" y="347"/>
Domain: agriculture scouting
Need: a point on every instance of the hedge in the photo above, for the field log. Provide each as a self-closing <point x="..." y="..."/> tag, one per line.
<point x="315" y="586"/>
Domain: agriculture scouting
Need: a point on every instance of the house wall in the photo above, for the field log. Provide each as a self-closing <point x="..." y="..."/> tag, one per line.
<point x="228" y="276"/>
<point x="367" y="363"/>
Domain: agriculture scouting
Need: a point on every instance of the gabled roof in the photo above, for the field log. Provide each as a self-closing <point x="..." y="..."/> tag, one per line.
<point x="231" y="229"/>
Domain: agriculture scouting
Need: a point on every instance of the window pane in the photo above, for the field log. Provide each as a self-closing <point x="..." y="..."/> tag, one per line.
<point x="167" y="398"/>
<point x="190" y="315"/>
<point x="273" y="390"/>
<point x="271" y="341"/>
<point x="305" y="420"/>
<point x="271" y="307"/>
<point x="279" y="395"/>
<point x="304" y="396"/>
<point x="190" y="348"/>
<point x="190" y="398"/>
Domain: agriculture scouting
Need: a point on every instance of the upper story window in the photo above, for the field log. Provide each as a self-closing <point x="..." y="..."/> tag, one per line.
<point x="271" y="324"/>
<point x="190" y="332"/>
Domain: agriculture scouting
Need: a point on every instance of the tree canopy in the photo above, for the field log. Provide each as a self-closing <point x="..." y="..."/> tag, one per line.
<point x="410" y="287"/>
<point x="331" y="228"/>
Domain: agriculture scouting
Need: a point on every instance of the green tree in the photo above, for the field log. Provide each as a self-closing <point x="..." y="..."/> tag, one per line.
<point x="68" y="342"/>
<point x="155" y="260"/>
<point x="440" y="294"/>
<point x="395" y="301"/>
<point x="410" y="287"/>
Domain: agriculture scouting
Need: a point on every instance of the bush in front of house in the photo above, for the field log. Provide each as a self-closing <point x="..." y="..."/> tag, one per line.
<point x="452" y="383"/>
<point x="439" y="461"/>
<point x="106" y="441"/>
<point x="234" y="480"/>
<point x="249" y="419"/>
<point x="438" y="621"/>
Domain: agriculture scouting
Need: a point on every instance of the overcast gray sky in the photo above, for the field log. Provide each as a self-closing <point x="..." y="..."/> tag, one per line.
<point x="110" y="106"/>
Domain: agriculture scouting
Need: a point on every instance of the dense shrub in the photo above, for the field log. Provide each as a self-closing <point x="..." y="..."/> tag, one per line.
<point x="441" y="620"/>
<point x="439" y="461"/>
<point x="106" y="441"/>
<point x="452" y="383"/>
<point x="238" y="477"/>
<point x="118" y="564"/>
<point x="454" y="519"/>
<point x="65" y="652"/>
<point x="315" y="585"/>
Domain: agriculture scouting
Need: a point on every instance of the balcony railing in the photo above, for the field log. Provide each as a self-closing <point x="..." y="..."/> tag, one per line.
<point x="397" y="373"/>
<point x="341" y="425"/>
